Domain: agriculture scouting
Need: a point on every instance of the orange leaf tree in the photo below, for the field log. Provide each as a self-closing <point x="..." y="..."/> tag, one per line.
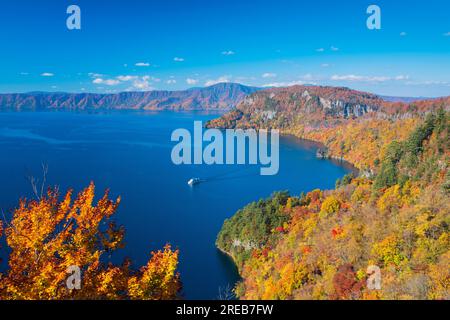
<point x="48" y="238"/>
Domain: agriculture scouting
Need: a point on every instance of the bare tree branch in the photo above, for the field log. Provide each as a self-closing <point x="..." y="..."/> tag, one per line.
<point x="226" y="293"/>
<point x="35" y="182"/>
<point x="44" y="177"/>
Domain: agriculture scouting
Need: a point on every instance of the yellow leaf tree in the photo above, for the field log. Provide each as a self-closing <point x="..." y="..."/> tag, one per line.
<point x="48" y="238"/>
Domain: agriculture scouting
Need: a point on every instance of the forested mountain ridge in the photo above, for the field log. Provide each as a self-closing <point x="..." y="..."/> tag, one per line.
<point x="222" y="96"/>
<point x="282" y="107"/>
<point x="353" y="125"/>
<point x="395" y="216"/>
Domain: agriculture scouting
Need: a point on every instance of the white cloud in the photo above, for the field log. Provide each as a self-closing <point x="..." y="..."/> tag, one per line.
<point x="403" y="34"/>
<point x="139" y="83"/>
<point x="429" y="83"/>
<point x="108" y="82"/>
<point x="402" y="77"/>
<point x="142" y="84"/>
<point x="47" y="74"/>
<point x="269" y="75"/>
<point x="352" y="77"/>
<point x="447" y="34"/>
<point x="379" y="79"/>
<point x="307" y="76"/>
<point x="95" y="75"/>
<point x="325" y="65"/>
<point x="178" y="59"/>
<point x="171" y="81"/>
<point x="221" y="79"/>
<point x="320" y="50"/>
<point x="126" y="78"/>
<point x="334" y="48"/>
<point x="284" y="84"/>
<point x="149" y="78"/>
<point x="360" y="78"/>
<point x="228" y="53"/>
<point x="191" y="81"/>
<point x="142" y="64"/>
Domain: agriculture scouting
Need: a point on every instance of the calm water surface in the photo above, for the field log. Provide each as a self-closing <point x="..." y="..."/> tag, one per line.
<point x="130" y="154"/>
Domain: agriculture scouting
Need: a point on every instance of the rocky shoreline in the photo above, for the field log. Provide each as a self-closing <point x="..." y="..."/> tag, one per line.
<point x="321" y="153"/>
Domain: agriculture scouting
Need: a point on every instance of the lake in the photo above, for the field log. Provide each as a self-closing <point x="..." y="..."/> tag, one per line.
<point x="130" y="153"/>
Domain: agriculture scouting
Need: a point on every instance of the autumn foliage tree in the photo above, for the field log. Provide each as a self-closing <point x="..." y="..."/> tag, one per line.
<point x="346" y="284"/>
<point x="394" y="216"/>
<point x="48" y="237"/>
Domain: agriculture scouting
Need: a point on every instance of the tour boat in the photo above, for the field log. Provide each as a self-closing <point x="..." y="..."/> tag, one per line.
<point x="194" y="181"/>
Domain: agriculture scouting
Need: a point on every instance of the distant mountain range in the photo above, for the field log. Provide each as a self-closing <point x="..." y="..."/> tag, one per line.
<point x="222" y="96"/>
<point x="403" y="99"/>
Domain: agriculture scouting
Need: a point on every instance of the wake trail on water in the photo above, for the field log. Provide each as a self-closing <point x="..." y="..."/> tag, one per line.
<point x="225" y="176"/>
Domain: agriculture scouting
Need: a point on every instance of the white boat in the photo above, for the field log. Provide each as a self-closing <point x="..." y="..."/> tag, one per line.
<point x="194" y="181"/>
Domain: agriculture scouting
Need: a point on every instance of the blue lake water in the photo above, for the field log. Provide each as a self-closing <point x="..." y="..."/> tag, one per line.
<point x="130" y="153"/>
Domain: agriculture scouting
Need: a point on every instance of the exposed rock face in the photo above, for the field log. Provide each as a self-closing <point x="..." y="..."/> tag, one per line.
<point x="327" y="101"/>
<point x="344" y="109"/>
<point x="222" y="96"/>
<point x="322" y="153"/>
<point x="316" y="107"/>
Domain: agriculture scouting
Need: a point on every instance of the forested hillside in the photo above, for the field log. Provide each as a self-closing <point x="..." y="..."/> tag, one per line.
<point x="394" y="216"/>
<point x="353" y="125"/>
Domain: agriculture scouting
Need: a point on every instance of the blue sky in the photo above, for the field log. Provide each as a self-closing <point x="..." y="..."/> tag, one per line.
<point x="174" y="44"/>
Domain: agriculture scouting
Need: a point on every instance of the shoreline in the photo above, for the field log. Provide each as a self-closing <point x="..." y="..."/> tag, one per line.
<point x="228" y="254"/>
<point x="319" y="145"/>
<point x="312" y="144"/>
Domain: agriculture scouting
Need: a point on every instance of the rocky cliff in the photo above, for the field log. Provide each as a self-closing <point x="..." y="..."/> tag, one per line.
<point x="317" y="107"/>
